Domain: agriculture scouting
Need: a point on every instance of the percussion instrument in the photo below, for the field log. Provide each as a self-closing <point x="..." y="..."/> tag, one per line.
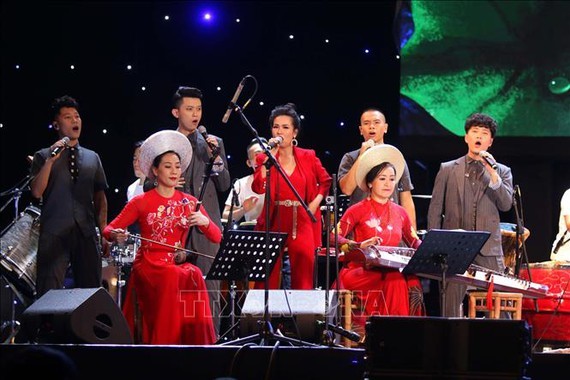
<point x="508" y="242"/>
<point x="550" y="315"/>
<point x="19" y="246"/>
<point x="125" y="253"/>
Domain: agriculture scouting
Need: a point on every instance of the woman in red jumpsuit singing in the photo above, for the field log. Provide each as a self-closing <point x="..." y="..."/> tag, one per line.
<point x="311" y="181"/>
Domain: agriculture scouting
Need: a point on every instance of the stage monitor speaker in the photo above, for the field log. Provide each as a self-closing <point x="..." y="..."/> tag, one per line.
<point x="459" y="348"/>
<point x="76" y="316"/>
<point x="295" y="313"/>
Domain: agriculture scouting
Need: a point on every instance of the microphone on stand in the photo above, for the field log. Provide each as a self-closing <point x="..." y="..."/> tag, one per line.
<point x="232" y="104"/>
<point x="58" y="149"/>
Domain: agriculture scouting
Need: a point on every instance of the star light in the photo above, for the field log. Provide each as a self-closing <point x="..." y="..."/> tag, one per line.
<point x="207" y="16"/>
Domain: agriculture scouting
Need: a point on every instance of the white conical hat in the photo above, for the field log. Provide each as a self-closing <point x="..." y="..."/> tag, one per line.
<point x="164" y="141"/>
<point x="375" y="156"/>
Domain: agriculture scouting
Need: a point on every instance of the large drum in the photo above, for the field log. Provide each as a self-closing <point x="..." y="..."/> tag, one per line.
<point x="19" y="247"/>
<point x="508" y="242"/>
<point x="549" y="316"/>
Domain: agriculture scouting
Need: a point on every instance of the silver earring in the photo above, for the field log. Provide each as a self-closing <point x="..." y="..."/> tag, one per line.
<point x="294" y="142"/>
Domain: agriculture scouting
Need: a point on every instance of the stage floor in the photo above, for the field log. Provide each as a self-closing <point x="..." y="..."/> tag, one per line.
<point x="234" y="362"/>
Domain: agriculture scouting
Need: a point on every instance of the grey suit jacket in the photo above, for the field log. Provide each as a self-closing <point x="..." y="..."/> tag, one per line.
<point x="194" y="176"/>
<point x="447" y="203"/>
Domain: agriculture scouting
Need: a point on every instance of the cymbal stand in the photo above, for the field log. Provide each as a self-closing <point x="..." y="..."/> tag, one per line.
<point x="10" y="329"/>
<point x="119" y="251"/>
<point x="16" y="193"/>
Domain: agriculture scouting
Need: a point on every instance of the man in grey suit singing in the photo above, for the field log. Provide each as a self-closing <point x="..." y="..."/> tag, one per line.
<point x="187" y="108"/>
<point x="468" y="193"/>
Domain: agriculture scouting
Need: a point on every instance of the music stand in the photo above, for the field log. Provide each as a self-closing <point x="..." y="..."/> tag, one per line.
<point x="446" y="252"/>
<point x="242" y="257"/>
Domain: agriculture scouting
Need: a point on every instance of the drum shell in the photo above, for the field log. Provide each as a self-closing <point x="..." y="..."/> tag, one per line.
<point x="549" y="316"/>
<point x="19" y="251"/>
<point x="508" y="243"/>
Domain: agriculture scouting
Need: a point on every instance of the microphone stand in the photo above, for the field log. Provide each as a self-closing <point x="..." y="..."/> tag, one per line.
<point x="266" y="333"/>
<point x="232" y="285"/>
<point x="16" y="193"/>
<point x="205" y="179"/>
<point x="518" y="233"/>
<point x="331" y="202"/>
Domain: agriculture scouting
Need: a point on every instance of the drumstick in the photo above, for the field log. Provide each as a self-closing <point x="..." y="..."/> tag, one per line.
<point x="137" y="236"/>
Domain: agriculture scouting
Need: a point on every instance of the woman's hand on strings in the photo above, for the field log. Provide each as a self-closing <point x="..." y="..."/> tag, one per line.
<point x="198" y="219"/>
<point x="180" y="255"/>
<point x="119" y="236"/>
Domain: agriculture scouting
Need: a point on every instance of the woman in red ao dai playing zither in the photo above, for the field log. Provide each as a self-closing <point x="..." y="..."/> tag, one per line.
<point x="377" y="220"/>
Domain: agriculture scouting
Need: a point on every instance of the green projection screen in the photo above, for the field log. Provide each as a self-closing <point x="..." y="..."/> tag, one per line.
<point x="510" y="59"/>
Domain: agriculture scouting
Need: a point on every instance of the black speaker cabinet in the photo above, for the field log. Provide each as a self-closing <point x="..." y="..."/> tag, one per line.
<point x="295" y="313"/>
<point x="454" y="348"/>
<point x="76" y="316"/>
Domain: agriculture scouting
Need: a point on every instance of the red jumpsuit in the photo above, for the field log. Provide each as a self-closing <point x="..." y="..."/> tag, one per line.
<point x="309" y="179"/>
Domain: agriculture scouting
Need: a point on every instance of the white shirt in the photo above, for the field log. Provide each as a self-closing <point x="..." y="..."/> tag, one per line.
<point x="563" y="253"/>
<point x="134" y="189"/>
<point x="243" y="189"/>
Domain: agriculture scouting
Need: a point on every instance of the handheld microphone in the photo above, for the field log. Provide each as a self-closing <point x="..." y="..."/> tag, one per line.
<point x="369" y="143"/>
<point x="58" y="149"/>
<point x="273" y="144"/>
<point x="486" y="156"/>
<point x="232" y="104"/>
<point x="204" y="134"/>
